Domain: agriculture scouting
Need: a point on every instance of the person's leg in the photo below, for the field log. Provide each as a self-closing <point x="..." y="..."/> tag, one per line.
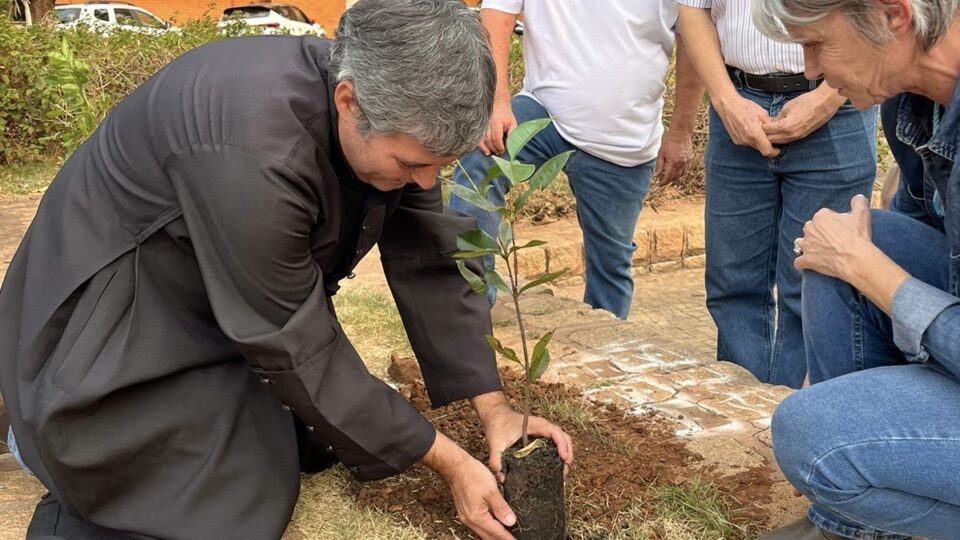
<point x="51" y="522"/>
<point x="742" y="210"/>
<point x="843" y="331"/>
<point x="474" y="166"/>
<point x="609" y="201"/>
<point x="824" y="170"/>
<point x="876" y="451"/>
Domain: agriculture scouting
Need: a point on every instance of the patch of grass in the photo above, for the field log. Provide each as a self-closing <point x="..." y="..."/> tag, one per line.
<point x="699" y="508"/>
<point x="327" y="511"/>
<point x="372" y="322"/>
<point x="576" y="412"/>
<point x="19" y="179"/>
<point x="692" y="511"/>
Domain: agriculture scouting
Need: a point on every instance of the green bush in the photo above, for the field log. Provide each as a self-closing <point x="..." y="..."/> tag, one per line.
<point x="56" y="86"/>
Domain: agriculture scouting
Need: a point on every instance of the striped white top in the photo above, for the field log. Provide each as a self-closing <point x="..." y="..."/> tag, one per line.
<point x="742" y="45"/>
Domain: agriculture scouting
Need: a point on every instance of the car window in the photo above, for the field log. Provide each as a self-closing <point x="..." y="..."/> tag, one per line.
<point x="246" y="12"/>
<point x="298" y="15"/>
<point x="101" y="15"/>
<point x="68" y="15"/>
<point x="126" y="17"/>
<point x="148" y="20"/>
<point x="285" y="12"/>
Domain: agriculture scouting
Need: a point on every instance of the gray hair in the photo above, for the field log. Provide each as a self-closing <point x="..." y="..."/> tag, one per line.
<point x="420" y="68"/>
<point x="931" y="18"/>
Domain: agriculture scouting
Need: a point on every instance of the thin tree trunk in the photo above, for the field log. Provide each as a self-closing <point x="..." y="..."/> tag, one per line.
<point x="40" y="8"/>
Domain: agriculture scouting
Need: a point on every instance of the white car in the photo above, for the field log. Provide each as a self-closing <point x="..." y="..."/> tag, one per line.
<point x="272" y="19"/>
<point x="107" y="17"/>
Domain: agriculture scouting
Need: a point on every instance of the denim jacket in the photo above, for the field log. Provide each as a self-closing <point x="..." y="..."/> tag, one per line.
<point x="926" y="320"/>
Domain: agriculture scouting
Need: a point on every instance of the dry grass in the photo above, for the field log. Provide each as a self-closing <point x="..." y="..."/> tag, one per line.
<point x="21" y="179"/>
<point x="692" y="511"/>
<point x="371" y="321"/>
<point x="326" y="511"/>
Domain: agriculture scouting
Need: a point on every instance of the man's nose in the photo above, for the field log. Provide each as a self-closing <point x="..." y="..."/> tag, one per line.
<point x="425" y="177"/>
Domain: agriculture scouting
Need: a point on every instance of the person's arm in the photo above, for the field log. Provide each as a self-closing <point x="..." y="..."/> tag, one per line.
<point x="676" y="149"/>
<point x="446" y="321"/>
<point x="250" y="221"/>
<point x="499" y="22"/>
<point x="804" y="114"/>
<point x="742" y="118"/>
<point x="925" y="319"/>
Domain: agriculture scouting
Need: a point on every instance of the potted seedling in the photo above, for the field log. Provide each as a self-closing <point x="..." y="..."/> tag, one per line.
<point x="532" y="468"/>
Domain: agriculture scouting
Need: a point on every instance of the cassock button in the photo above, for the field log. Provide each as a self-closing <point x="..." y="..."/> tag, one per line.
<point x="329" y="448"/>
<point x="265" y="380"/>
<point x="286" y="408"/>
<point x="311" y="429"/>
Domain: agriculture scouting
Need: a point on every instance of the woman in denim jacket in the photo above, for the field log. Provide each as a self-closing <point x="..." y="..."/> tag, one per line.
<point x="874" y="442"/>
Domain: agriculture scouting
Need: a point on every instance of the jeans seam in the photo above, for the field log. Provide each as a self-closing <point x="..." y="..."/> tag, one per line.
<point x="857" y="333"/>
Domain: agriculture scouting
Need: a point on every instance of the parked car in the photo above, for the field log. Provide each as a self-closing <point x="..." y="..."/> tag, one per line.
<point x="107" y="17"/>
<point x="272" y="19"/>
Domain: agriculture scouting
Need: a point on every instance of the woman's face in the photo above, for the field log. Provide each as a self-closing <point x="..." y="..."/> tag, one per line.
<point x="860" y="70"/>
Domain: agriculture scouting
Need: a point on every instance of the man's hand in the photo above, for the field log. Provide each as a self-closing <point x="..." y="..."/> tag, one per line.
<point x="676" y="149"/>
<point x="480" y="506"/>
<point x="744" y="120"/>
<point x="803" y="115"/>
<point x="502" y="123"/>
<point x="503" y="426"/>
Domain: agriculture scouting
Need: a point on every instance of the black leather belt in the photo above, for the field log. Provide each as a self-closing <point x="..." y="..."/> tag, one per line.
<point x="780" y="83"/>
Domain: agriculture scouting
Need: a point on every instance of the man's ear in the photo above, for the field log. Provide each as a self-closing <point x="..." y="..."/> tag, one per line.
<point x="346" y="100"/>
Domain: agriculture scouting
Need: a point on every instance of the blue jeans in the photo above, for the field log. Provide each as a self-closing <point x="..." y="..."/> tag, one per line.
<point x="755" y="209"/>
<point x="874" y="442"/>
<point x="609" y="199"/>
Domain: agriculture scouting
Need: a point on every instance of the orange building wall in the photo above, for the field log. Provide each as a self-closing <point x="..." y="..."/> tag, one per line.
<point x="325" y="12"/>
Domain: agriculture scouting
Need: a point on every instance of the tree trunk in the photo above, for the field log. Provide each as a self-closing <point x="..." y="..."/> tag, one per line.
<point x="40" y="8"/>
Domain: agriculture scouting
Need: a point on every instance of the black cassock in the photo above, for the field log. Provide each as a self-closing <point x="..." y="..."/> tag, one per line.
<point x="168" y="313"/>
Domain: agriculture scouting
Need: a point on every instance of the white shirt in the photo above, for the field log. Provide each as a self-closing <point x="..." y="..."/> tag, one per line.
<point x="742" y="45"/>
<point x="598" y="68"/>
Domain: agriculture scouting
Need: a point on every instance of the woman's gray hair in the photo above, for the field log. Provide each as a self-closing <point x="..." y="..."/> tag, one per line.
<point x="420" y="68"/>
<point x="931" y="18"/>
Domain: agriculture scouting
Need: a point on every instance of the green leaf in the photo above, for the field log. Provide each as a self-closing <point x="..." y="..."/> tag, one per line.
<point x="505" y="352"/>
<point x="476" y="240"/>
<point x="546" y="278"/>
<point x="540" y="359"/>
<point x="548" y="172"/>
<point x="472" y="197"/>
<point x="492" y="173"/>
<point x="505" y="233"/>
<point x="493" y="278"/>
<point x="528" y="245"/>
<point x="515" y="171"/>
<point x="521" y="201"/>
<point x="522" y="134"/>
<point x="473" y="254"/>
<point x="475" y="282"/>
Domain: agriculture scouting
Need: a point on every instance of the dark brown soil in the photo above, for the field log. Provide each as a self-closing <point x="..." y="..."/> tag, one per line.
<point x="534" y="490"/>
<point x="619" y="459"/>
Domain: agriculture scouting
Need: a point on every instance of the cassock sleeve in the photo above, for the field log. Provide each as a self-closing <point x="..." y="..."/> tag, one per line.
<point x="250" y="219"/>
<point x="445" y="320"/>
